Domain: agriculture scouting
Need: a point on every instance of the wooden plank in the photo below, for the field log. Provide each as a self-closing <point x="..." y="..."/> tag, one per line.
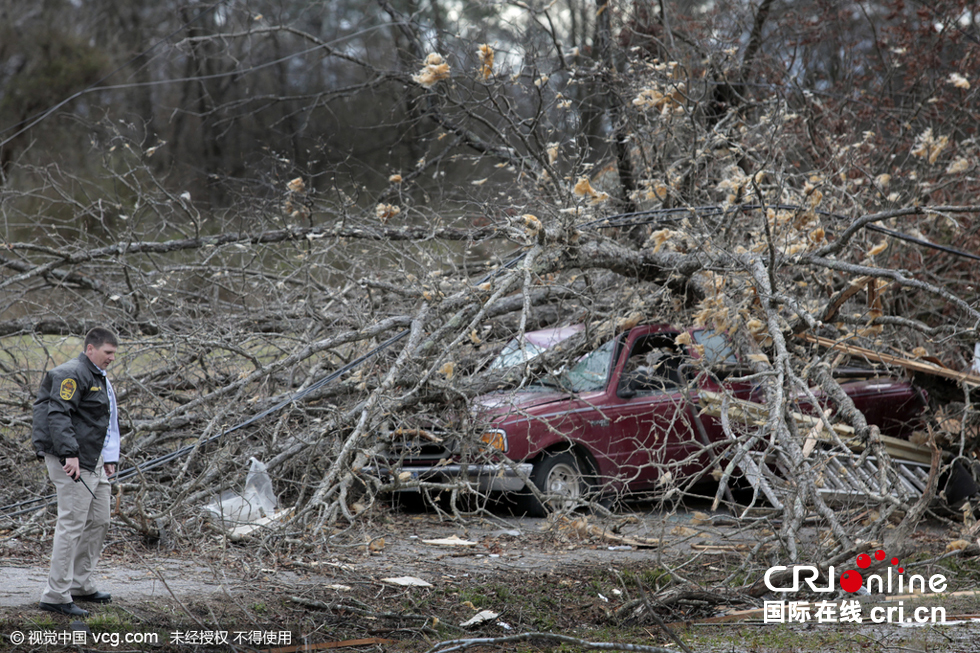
<point x="923" y="367"/>
<point x="810" y="441"/>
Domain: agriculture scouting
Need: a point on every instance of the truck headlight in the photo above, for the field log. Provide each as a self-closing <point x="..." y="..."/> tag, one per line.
<point x="495" y="438"/>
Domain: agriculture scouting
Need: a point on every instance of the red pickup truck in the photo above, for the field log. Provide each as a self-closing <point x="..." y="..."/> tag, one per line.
<point x="623" y="418"/>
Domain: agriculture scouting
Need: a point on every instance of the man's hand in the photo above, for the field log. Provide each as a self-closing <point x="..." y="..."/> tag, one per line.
<point x="72" y="469"/>
<point x="110" y="469"/>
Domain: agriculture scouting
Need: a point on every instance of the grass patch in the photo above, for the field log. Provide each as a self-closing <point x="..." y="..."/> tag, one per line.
<point x="654" y="578"/>
<point x="110" y="619"/>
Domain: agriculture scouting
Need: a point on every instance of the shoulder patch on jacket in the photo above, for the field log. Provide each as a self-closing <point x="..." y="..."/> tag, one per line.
<point x="68" y="387"/>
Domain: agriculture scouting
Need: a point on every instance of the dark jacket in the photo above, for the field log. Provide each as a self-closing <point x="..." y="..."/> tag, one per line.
<point x="71" y="413"/>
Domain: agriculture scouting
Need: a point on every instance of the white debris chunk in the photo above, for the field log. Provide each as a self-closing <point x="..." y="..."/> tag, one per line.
<point x="480" y="618"/>
<point x="450" y="541"/>
<point x="407" y="581"/>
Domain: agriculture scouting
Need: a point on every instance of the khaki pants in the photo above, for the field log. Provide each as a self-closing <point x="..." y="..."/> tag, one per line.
<point x="83" y="522"/>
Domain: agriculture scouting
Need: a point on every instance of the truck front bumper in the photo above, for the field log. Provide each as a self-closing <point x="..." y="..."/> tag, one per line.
<point x="495" y="477"/>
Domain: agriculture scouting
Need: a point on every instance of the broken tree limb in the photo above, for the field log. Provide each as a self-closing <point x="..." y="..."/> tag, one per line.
<point x="741" y="460"/>
<point x="369" y="641"/>
<point x="842" y="296"/>
<point x="583" y="528"/>
<point x="463" y="644"/>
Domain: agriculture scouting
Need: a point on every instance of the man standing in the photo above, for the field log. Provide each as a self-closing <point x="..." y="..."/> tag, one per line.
<point x="76" y="432"/>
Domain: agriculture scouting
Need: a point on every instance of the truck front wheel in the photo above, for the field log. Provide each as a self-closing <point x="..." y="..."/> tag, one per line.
<point x="559" y="479"/>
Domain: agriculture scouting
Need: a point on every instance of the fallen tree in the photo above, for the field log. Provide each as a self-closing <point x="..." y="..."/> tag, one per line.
<point x="293" y="323"/>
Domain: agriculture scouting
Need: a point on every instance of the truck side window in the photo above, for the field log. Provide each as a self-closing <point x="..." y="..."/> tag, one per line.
<point x="717" y="351"/>
<point x="652" y="367"/>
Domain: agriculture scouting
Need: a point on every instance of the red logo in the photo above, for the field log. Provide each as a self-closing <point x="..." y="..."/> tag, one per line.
<point x="851" y="580"/>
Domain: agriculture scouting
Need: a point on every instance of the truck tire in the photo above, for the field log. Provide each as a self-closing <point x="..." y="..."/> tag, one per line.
<point x="558" y="476"/>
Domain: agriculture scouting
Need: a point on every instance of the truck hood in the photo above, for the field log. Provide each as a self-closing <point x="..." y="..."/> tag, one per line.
<point x="507" y="401"/>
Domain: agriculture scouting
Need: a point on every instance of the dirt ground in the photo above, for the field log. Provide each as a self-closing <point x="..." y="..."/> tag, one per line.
<point x="589" y="578"/>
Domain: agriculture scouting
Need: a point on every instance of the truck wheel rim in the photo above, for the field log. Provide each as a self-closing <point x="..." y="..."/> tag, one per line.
<point x="564" y="486"/>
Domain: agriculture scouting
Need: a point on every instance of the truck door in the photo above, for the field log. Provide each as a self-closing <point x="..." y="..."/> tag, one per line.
<point x="649" y="430"/>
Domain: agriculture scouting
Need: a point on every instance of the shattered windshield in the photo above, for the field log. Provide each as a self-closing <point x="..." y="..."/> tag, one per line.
<point x="512" y="354"/>
<point x="531" y="345"/>
<point x="586" y="375"/>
